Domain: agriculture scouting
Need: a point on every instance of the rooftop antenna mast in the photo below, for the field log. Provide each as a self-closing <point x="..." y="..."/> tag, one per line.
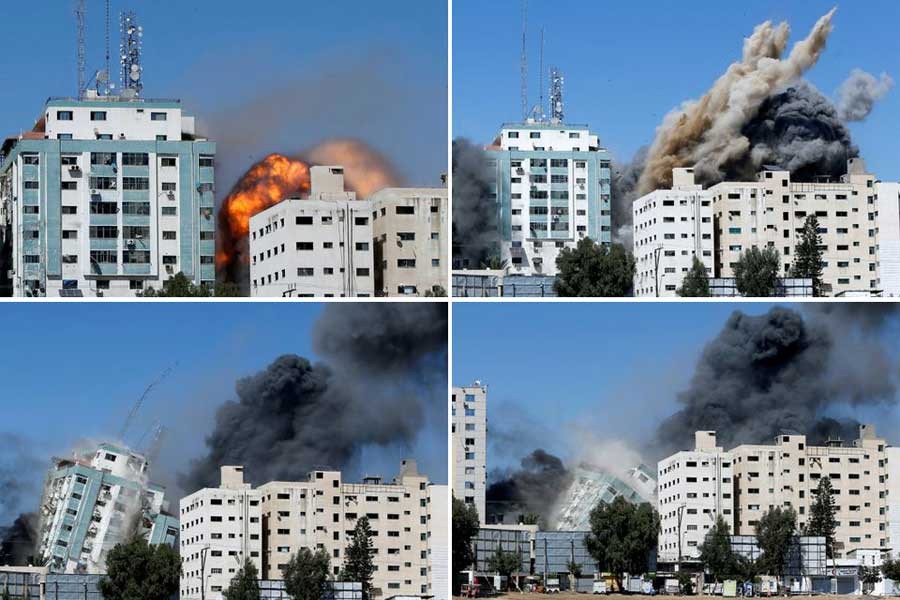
<point x="140" y="401"/>
<point x="130" y="51"/>
<point x="557" y="114"/>
<point x="541" y="113"/>
<point x="107" y="47"/>
<point x="80" y="12"/>
<point x="524" y="61"/>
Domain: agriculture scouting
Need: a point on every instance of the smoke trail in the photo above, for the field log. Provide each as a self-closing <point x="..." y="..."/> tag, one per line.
<point x="859" y="93"/>
<point x="707" y="133"/>
<point x="778" y="371"/>
<point x="384" y="364"/>
<point x="475" y="228"/>
<point x="533" y="488"/>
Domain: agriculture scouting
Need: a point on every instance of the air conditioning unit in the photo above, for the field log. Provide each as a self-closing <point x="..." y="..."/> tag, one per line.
<point x="170" y="269"/>
<point x="170" y="195"/>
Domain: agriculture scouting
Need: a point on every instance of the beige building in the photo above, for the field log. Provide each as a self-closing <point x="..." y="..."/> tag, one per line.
<point x="409" y="226"/>
<point x="271" y="523"/>
<point x="772" y="211"/>
<point x="786" y="474"/>
<point x="469" y="431"/>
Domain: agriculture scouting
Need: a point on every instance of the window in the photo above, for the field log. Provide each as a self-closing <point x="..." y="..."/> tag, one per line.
<point x="304" y="221"/>
<point x="304" y="246"/>
<point x="168" y="235"/>
<point x="70" y="234"/>
<point x="305" y="271"/>
<point x="135" y="183"/>
<point x="162" y="138"/>
<point x="104" y="257"/>
<point x="169" y="259"/>
<point x="135" y="159"/>
<point x="406" y="263"/>
<point x="69" y="210"/>
<point x="158" y="116"/>
<point x="171" y="211"/>
<point x="104" y="232"/>
<point x="64" y="115"/>
<point x="32" y="185"/>
<point x="135" y="232"/>
<point x="362" y="272"/>
<point x="207" y="161"/>
<point x="98" y="115"/>
<point x="167" y="161"/>
<point x="406" y="236"/>
<point x="69" y="185"/>
<point x="103" y="183"/>
<point x="135" y="208"/>
<point x="207" y="260"/>
<point x="169" y="186"/>
<point x="361" y="220"/>
<point x="406" y="210"/>
<point x="362" y="246"/>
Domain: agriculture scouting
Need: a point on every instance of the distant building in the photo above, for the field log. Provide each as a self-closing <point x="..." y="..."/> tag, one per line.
<point x="469" y="431"/>
<point x="671" y="228"/>
<point x="106" y="196"/>
<point x="888" y="221"/>
<point x="92" y="502"/>
<point x="226" y="525"/>
<point x="410" y="226"/>
<point x="553" y="189"/>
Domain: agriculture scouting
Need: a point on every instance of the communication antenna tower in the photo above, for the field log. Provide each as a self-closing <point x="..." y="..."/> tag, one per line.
<point x="557" y="114"/>
<point x="524" y="61"/>
<point x="131" y="76"/>
<point x="540" y="113"/>
<point x="80" y="12"/>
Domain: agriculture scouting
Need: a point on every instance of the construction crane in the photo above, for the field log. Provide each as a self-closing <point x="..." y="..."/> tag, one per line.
<point x="140" y="401"/>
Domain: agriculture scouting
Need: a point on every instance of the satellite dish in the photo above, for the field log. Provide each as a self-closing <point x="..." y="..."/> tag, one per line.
<point x="135" y="68"/>
<point x="135" y="76"/>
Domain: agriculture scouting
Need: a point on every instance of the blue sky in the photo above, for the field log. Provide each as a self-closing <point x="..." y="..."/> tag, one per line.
<point x="73" y="372"/>
<point x="554" y="369"/>
<point x="626" y="64"/>
<point x="377" y="71"/>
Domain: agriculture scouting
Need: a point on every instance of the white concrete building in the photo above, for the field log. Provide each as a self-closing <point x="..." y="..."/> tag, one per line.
<point x="220" y="529"/>
<point x="671" y="227"/>
<point x="410" y="228"/>
<point x="319" y="246"/>
<point x="893" y="494"/>
<point x="469" y="431"/>
<point x="106" y="196"/>
<point x="772" y="211"/>
<point x="695" y="487"/>
<point x="271" y="523"/>
<point x="439" y="541"/>
<point x="888" y="221"/>
<point x="553" y="189"/>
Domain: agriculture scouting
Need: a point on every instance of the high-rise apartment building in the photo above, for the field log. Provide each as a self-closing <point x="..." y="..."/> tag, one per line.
<point x="106" y="196"/>
<point x="469" y="431"/>
<point x="269" y="524"/>
<point x="92" y="502"/>
<point x="888" y="221"/>
<point x="671" y="228"/>
<point x="695" y="487"/>
<point x="553" y="189"/>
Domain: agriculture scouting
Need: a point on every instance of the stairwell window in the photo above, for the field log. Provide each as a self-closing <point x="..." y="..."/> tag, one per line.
<point x="159" y="116"/>
<point x="98" y="115"/>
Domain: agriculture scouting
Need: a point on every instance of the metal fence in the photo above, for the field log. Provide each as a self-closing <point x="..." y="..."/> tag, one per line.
<point x="787" y="287"/>
<point x="554" y="550"/>
<point x="488" y="541"/>
<point x="273" y="589"/>
<point x="806" y="555"/>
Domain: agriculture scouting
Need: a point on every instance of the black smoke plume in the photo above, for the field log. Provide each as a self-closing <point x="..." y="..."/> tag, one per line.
<point x="18" y="487"/>
<point x="764" y="375"/>
<point x="476" y="235"/>
<point x="531" y="489"/>
<point x="18" y="542"/>
<point x="384" y="366"/>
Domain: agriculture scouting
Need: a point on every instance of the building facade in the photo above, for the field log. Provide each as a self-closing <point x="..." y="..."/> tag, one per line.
<point x="887" y="196"/>
<point x="773" y="210"/>
<point x="695" y="487"/>
<point x="553" y="189"/>
<point x="92" y="502"/>
<point x="469" y="431"/>
<point x="787" y="473"/>
<point x="438" y="542"/>
<point x="107" y="196"/>
<point x="410" y="228"/>
<point x="271" y="523"/>
<point x="671" y="228"/>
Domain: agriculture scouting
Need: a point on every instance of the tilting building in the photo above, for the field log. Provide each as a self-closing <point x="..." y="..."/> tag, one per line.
<point x="469" y="430"/>
<point x="94" y="501"/>
<point x="106" y="196"/>
<point x="592" y="485"/>
<point x="553" y="189"/>
<point x="222" y="527"/>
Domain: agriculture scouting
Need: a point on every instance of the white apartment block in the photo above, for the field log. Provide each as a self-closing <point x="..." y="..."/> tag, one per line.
<point x="469" y="430"/>
<point x="320" y="514"/>
<point x="888" y="198"/>
<point x="410" y="228"/>
<point x="220" y="528"/>
<point x="439" y="542"/>
<point x="787" y="473"/>
<point x="553" y="189"/>
<point x="319" y="246"/>
<point x="106" y="196"/>
<point x="695" y="487"/>
<point x="671" y="227"/>
<point x="893" y="489"/>
<point x="772" y="211"/>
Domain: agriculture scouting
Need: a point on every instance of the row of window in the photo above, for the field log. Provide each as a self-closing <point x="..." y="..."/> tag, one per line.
<point x="101" y="115"/>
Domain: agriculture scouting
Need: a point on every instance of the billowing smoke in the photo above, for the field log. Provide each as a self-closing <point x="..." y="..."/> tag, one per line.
<point x="19" y="487"/>
<point x="859" y="93"/>
<point x="776" y="372"/>
<point x="384" y="370"/>
<point x="624" y="192"/>
<point x="707" y="133"/>
<point x="18" y="542"/>
<point x="533" y="488"/>
<point x="798" y="130"/>
<point x="475" y="226"/>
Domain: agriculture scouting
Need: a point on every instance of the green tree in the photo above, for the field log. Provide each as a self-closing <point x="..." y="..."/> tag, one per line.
<point x="436" y="292"/>
<point x="594" y="270"/>
<point x="891" y="570"/>
<point x="756" y="272"/>
<point x="529" y="519"/>
<point x="808" y="262"/>
<point x="178" y="286"/>
<point x="574" y="569"/>
<point x="822" y="521"/>
<point x="245" y="583"/>
<point x="358" y="563"/>
<point x="504" y="563"/>
<point x="622" y="536"/>
<point x="494" y="263"/>
<point x="227" y="290"/>
<point x="716" y="554"/>
<point x="306" y="574"/>
<point x="774" y="532"/>
<point x="4" y="595"/>
<point x="135" y="570"/>
<point x="869" y="576"/>
<point x="685" y="583"/>
<point x="696" y="283"/>
<point x="465" y="528"/>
